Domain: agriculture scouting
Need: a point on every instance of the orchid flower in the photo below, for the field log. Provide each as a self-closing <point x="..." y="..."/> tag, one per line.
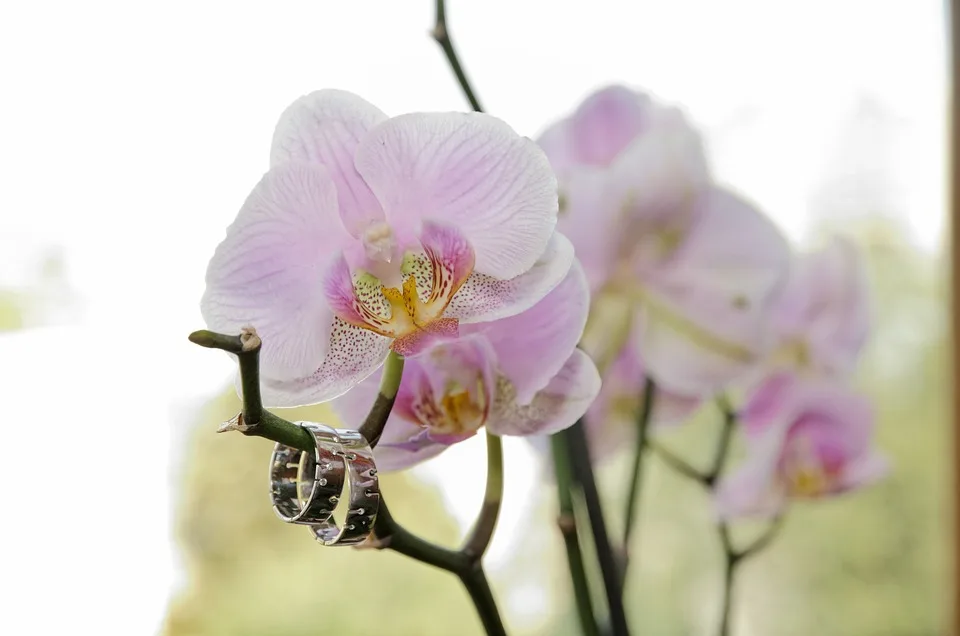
<point x="521" y="375"/>
<point x="699" y="266"/>
<point x="371" y="233"/>
<point x="808" y="438"/>
<point x="823" y="319"/>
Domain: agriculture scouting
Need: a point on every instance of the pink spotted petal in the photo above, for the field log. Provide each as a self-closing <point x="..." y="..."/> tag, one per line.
<point x="483" y="298"/>
<point x="354" y="354"/>
<point x="532" y="346"/>
<point x="561" y="403"/>
<point x="435" y="332"/>
<point x="707" y="316"/>
<point x="325" y="127"/>
<point x="470" y="171"/>
<point x="266" y="272"/>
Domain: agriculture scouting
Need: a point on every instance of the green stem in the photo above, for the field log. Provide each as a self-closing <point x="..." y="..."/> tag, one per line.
<point x="578" y="450"/>
<point x="481" y="535"/>
<point x="468" y="568"/>
<point x="253" y="420"/>
<point x="567" y="522"/>
<point x="475" y="581"/>
<point x="373" y="425"/>
<point x="636" y="478"/>
<point x="442" y="35"/>
<point x="732" y="557"/>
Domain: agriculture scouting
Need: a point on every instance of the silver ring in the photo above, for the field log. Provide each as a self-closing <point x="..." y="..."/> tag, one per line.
<point x="305" y="487"/>
<point x="364" y="500"/>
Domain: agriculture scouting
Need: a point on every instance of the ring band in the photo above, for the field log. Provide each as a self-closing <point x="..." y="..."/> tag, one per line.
<point x="364" y="500"/>
<point x="305" y="487"/>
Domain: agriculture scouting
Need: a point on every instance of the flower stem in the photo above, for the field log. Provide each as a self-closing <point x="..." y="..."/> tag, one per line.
<point x="732" y="557"/>
<point x="441" y="34"/>
<point x="578" y="451"/>
<point x="376" y="420"/>
<point x="469" y="569"/>
<point x="479" y="539"/>
<point x="636" y="479"/>
<point x="567" y="522"/>
<point x="254" y="420"/>
<point x="475" y="581"/>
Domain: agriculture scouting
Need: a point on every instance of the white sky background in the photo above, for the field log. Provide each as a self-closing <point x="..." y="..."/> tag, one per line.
<point x="131" y="132"/>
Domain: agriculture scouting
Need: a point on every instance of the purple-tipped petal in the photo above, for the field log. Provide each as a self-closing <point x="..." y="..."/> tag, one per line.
<point x="266" y="272"/>
<point x="325" y="127"/>
<point x="468" y="170"/>
<point x="559" y="405"/>
<point x="483" y="298"/>
<point x="532" y="346"/>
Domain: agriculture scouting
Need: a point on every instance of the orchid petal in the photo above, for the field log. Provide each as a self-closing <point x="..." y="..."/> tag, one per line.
<point x="468" y="170"/>
<point x="325" y="127"/>
<point x="266" y="272"/>
<point x="753" y="489"/>
<point x="483" y="298"/>
<point x="826" y="308"/>
<point x="353" y="406"/>
<point x="353" y="355"/>
<point x="558" y="406"/>
<point x="531" y="347"/>
<point x="707" y="312"/>
<point x="607" y="122"/>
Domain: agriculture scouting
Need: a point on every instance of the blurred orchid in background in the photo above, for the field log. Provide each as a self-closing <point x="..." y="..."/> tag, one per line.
<point x="808" y="438"/>
<point x="681" y="269"/>
<point x="824" y="316"/>
<point x="520" y="375"/>
<point x="370" y="233"/>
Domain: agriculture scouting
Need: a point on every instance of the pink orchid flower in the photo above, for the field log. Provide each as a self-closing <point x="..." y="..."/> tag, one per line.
<point x="628" y="169"/>
<point x="824" y="317"/>
<point x="700" y="265"/>
<point x="808" y="438"/>
<point x="370" y="233"/>
<point x="521" y="375"/>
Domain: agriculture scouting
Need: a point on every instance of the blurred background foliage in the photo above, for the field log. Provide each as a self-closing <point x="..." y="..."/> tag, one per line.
<point x="874" y="563"/>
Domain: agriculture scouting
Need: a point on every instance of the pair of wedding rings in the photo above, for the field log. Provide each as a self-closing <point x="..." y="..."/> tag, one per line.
<point x="306" y="488"/>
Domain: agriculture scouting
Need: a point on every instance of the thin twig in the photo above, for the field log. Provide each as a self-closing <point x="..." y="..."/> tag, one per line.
<point x="479" y="538"/>
<point x="732" y="557"/>
<point x="391" y="535"/>
<point x="441" y="34"/>
<point x="579" y="452"/>
<point x="567" y="523"/>
<point x="636" y="476"/>
<point x="255" y="421"/>
<point x="677" y="463"/>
